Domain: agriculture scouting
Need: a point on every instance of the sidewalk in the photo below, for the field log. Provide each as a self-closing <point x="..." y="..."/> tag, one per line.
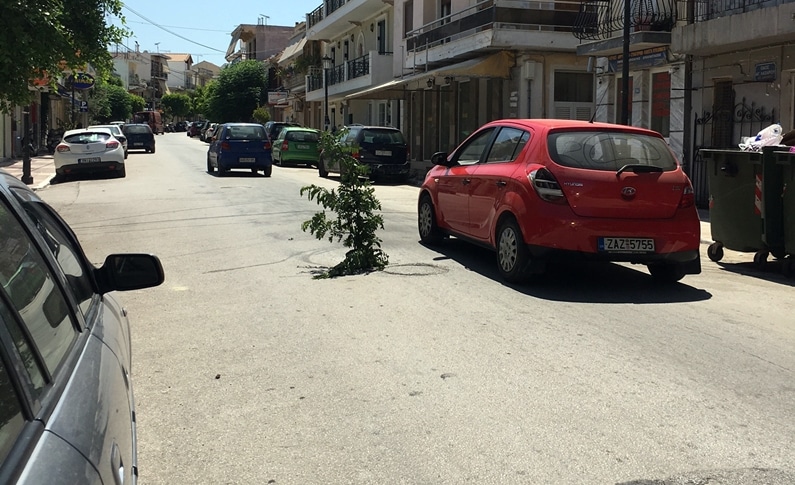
<point x="41" y="169"/>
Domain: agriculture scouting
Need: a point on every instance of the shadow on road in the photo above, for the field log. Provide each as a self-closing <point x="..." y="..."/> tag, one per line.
<point x="771" y="271"/>
<point x="583" y="282"/>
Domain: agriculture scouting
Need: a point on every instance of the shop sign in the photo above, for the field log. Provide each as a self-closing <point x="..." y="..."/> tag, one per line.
<point x="81" y="80"/>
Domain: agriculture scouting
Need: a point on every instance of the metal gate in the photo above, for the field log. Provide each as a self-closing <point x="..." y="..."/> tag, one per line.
<point x="746" y="119"/>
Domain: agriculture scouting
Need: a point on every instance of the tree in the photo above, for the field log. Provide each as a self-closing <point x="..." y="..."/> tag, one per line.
<point x="44" y="36"/>
<point x="355" y="204"/>
<point x="261" y="115"/>
<point x="109" y="101"/>
<point x="137" y="103"/>
<point x="176" y="104"/>
<point x="241" y="88"/>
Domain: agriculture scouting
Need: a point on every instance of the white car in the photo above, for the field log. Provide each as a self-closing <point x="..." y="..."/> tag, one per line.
<point x="115" y="130"/>
<point x="89" y="150"/>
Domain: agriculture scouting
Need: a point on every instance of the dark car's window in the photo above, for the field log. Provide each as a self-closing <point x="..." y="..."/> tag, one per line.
<point x="609" y="150"/>
<point x="87" y="137"/>
<point x="472" y="150"/>
<point x="62" y="246"/>
<point x="305" y="136"/>
<point x="382" y="137"/>
<point x="34" y="293"/>
<point x="11" y="419"/>
<point x="244" y="133"/>
<point x="507" y="145"/>
<point x="137" y="129"/>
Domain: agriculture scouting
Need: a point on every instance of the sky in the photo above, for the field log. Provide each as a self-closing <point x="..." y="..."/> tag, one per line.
<point x="203" y="29"/>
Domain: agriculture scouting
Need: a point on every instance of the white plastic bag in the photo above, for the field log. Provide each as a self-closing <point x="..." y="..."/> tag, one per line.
<point x="770" y="136"/>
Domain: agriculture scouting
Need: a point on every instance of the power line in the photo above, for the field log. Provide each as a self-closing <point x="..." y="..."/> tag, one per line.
<point x="184" y="28"/>
<point x="170" y="32"/>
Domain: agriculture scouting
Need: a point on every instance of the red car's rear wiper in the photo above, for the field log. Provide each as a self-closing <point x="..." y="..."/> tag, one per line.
<point x="638" y="168"/>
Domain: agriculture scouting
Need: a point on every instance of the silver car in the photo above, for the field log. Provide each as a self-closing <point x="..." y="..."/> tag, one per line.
<point x="67" y="413"/>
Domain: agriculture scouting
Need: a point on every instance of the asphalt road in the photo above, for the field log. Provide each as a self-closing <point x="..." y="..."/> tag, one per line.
<point x="247" y="370"/>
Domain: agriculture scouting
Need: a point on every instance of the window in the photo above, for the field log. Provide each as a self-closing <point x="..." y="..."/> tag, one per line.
<point x="507" y="145"/>
<point x="472" y="151"/>
<point x="408" y="17"/>
<point x="11" y="419"/>
<point x="609" y="150"/>
<point x="661" y="102"/>
<point x="34" y="293"/>
<point x="574" y="95"/>
<point x="63" y="247"/>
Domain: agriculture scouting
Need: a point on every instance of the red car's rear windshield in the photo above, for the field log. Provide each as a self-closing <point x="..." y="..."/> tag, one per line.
<point x="608" y="150"/>
<point x="245" y="133"/>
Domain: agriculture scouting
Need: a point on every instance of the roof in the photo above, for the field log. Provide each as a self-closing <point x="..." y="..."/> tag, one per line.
<point x="180" y="57"/>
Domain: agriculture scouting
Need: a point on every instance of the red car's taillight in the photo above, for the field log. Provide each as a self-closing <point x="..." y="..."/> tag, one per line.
<point x="285" y="145"/>
<point x="688" y="198"/>
<point x="546" y="186"/>
<point x="112" y="145"/>
<point x="62" y="148"/>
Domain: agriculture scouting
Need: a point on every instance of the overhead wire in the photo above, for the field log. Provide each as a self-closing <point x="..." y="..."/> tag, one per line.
<point x="170" y="32"/>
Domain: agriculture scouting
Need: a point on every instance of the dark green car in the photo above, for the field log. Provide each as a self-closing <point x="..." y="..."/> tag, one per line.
<point x="296" y="145"/>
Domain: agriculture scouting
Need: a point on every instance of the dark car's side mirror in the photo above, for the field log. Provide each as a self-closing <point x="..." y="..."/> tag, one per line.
<point x="124" y="272"/>
<point x="440" y="158"/>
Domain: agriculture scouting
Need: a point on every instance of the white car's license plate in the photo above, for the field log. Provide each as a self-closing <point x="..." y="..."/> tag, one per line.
<point x="89" y="160"/>
<point x="626" y="245"/>
<point x="383" y="153"/>
<point x="248" y="160"/>
<point x="302" y="147"/>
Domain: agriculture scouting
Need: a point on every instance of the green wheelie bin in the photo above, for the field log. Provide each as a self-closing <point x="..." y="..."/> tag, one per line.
<point x="786" y="160"/>
<point x="745" y="208"/>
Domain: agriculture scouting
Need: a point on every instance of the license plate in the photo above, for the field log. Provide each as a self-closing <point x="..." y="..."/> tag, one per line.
<point x="89" y="160"/>
<point x="302" y="147"/>
<point x="138" y="144"/>
<point x="626" y="245"/>
<point x="383" y="153"/>
<point x="248" y="160"/>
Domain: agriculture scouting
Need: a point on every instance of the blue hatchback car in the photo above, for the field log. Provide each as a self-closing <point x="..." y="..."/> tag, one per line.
<point x="240" y="145"/>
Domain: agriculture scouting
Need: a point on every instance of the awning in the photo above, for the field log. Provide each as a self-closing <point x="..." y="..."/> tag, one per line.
<point x="292" y="51"/>
<point x="497" y="65"/>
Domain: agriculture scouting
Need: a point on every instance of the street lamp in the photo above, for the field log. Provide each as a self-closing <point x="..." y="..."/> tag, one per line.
<point x="326" y="66"/>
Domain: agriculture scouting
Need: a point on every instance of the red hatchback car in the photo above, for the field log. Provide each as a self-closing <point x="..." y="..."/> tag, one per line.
<point x="537" y="190"/>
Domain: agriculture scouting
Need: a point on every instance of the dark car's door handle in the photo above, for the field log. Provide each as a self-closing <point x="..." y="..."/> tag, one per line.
<point x="466" y="181"/>
<point x="501" y="183"/>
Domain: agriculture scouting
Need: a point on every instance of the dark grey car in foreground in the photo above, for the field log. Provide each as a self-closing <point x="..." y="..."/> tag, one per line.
<point x="67" y="413"/>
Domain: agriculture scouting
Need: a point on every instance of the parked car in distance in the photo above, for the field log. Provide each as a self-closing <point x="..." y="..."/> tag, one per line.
<point x="239" y="145"/>
<point x="139" y="137"/>
<point x="115" y="130"/>
<point x="181" y="126"/>
<point x="296" y="145"/>
<point x="273" y="128"/>
<point x="537" y="190"/>
<point x="67" y="412"/>
<point x="194" y="129"/>
<point x="208" y="132"/>
<point x="89" y="150"/>
<point x="382" y="149"/>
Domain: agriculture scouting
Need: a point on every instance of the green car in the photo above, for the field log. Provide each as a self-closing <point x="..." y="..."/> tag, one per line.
<point x="296" y="145"/>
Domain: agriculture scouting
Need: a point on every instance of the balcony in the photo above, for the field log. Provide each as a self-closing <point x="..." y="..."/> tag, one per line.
<point x="357" y="74"/>
<point x="159" y="73"/>
<point x="602" y="23"/>
<point x="494" y="25"/>
<point x="722" y="26"/>
<point x="334" y="18"/>
<point x="133" y="80"/>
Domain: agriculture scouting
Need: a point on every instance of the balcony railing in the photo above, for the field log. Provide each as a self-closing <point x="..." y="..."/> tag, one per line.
<point x="604" y="19"/>
<point x="491" y="14"/>
<point x="350" y="70"/>
<point x="159" y="73"/>
<point x="133" y="80"/>
<point x="703" y="10"/>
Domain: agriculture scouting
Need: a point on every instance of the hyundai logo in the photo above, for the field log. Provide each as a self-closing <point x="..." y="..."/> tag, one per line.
<point x="628" y="193"/>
